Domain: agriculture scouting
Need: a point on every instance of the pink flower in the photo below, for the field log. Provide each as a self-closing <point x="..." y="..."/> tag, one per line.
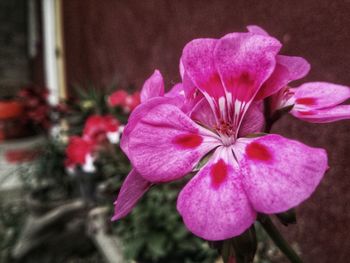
<point x="99" y="127"/>
<point x="287" y="69"/>
<point x="79" y="152"/>
<point x="316" y="102"/>
<point x="243" y="175"/>
<point x="135" y="185"/>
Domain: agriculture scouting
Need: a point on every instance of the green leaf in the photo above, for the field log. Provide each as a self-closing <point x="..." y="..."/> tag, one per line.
<point x="203" y="161"/>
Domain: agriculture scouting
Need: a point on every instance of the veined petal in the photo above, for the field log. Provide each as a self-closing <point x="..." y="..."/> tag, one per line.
<point x="189" y="86"/>
<point x="297" y="67"/>
<point x="332" y="114"/>
<point x="287" y="69"/>
<point x="192" y="94"/>
<point x="181" y="69"/>
<point x="244" y="61"/>
<point x="165" y="144"/>
<point x="213" y="204"/>
<point x="153" y="86"/>
<point x="279" y="173"/>
<point x="318" y="95"/>
<point x="257" y="30"/>
<point x="198" y="61"/>
<point x="201" y="73"/>
<point x="139" y="112"/>
<point x="203" y="114"/>
<point x="176" y="90"/>
<point x="133" y="188"/>
<point x="254" y="120"/>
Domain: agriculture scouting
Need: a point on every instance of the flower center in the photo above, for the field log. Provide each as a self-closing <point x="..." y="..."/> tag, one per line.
<point x="226" y="131"/>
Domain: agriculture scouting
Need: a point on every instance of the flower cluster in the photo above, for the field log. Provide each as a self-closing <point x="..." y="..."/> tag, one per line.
<point x="128" y="102"/>
<point x="35" y="106"/>
<point x="97" y="130"/>
<point x="212" y="122"/>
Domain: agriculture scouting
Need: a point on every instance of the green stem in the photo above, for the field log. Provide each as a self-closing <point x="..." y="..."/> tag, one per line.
<point x="278" y="239"/>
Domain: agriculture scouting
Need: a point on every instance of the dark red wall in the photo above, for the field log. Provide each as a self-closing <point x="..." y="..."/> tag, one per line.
<point x="127" y="39"/>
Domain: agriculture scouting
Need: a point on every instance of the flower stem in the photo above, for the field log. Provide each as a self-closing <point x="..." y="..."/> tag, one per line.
<point x="278" y="239"/>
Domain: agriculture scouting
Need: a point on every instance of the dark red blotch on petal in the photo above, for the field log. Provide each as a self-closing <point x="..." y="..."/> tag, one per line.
<point x="306" y="113"/>
<point x="246" y="80"/>
<point x="188" y="140"/>
<point x="214" y="86"/>
<point x="257" y="151"/>
<point x="306" y="101"/>
<point x="245" y="86"/>
<point x="218" y="173"/>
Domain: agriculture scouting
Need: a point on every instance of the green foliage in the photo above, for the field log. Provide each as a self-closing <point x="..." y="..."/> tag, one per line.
<point x="92" y="99"/>
<point x="112" y="162"/>
<point x="89" y="101"/>
<point x="154" y="231"/>
<point x="12" y="218"/>
<point x="51" y="169"/>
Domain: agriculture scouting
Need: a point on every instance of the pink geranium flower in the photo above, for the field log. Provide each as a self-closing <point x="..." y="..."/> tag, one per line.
<point x="244" y="175"/>
<point x="135" y="185"/>
<point x="316" y="102"/>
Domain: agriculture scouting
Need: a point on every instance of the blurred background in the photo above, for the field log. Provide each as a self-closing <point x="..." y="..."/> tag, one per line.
<point x="59" y="60"/>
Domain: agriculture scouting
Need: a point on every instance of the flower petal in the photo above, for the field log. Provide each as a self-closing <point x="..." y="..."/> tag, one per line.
<point x="133" y="188"/>
<point x="188" y="86"/>
<point x="244" y="61"/>
<point x="287" y="69"/>
<point x="213" y="204"/>
<point x="297" y="67"/>
<point x="203" y="114"/>
<point x="337" y="113"/>
<point x="318" y="95"/>
<point x="88" y="165"/>
<point x="153" y="86"/>
<point x="279" y="173"/>
<point x="97" y="126"/>
<point x="139" y="112"/>
<point x="77" y="150"/>
<point x="192" y="94"/>
<point x="201" y="74"/>
<point x="117" y="98"/>
<point x="198" y="62"/>
<point x="165" y="144"/>
<point x="131" y="102"/>
<point x="257" y="30"/>
<point x="176" y="90"/>
<point x="253" y="120"/>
